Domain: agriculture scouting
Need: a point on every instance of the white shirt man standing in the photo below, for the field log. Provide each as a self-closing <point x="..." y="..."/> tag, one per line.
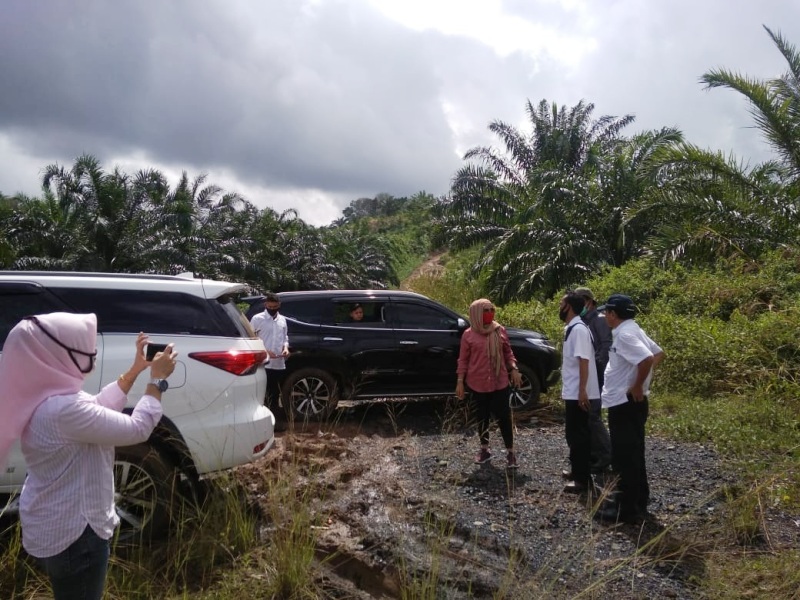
<point x="632" y="357"/>
<point x="271" y="327"/>
<point x="579" y="389"/>
<point x="601" y="338"/>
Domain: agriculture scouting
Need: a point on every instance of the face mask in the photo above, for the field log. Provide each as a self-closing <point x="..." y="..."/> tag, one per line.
<point x="584" y="311"/>
<point x="70" y="351"/>
<point x="272" y="311"/>
<point x="488" y="317"/>
<point x="562" y="314"/>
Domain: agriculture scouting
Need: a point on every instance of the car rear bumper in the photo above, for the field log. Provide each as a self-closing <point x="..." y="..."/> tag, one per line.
<point x="235" y="435"/>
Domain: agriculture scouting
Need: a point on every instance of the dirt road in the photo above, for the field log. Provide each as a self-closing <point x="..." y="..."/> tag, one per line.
<point x="403" y="505"/>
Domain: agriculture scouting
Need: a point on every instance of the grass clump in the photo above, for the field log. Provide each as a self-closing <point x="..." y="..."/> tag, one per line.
<point x="754" y="575"/>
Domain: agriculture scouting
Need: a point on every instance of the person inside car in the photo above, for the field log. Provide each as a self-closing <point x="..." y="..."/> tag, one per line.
<point x="68" y="438"/>
<point x="356" y="314"/>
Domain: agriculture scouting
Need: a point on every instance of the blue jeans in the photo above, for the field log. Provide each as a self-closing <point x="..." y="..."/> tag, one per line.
<point x="79" y="572"/>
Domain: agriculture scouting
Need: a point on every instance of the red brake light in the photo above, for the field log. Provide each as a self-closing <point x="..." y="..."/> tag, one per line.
<point x="238" y="362"/>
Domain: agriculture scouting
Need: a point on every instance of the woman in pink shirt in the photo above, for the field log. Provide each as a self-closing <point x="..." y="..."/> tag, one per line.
<point x="484" y="363"/>
<point x="68" y="438"/>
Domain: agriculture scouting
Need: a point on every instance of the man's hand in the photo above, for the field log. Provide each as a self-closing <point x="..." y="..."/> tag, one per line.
<point x="637" y="393"/>
<point x="516" y="378"/>
<point x="460" y="389"/>
<point x="583" y="399"/>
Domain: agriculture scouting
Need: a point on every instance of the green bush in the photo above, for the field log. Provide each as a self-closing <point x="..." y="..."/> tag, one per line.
<point x="538" y="316"/>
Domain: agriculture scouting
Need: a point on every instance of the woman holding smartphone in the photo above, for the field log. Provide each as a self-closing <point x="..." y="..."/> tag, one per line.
<point x="68" y="438"/>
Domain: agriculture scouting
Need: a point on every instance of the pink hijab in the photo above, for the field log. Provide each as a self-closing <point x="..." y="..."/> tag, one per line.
<point x="34" y="367"/>
<point x="492" y="330"/>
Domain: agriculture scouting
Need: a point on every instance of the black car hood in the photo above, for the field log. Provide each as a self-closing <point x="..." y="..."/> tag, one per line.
<point x="513" y="332"/>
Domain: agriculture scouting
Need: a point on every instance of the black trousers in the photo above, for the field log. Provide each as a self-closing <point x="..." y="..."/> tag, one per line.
<point x="626" y="423"/>
<point x="579" y="440"/>
<point x="494" y="403"/>
<point x="274" y="381"/>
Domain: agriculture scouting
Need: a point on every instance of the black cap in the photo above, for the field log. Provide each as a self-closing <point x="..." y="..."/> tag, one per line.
<point x="620" y="304"/>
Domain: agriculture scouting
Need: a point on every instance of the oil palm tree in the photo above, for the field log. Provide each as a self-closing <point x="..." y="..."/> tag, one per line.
<point x="549" y="208"/>
<point x="719" y="206"/>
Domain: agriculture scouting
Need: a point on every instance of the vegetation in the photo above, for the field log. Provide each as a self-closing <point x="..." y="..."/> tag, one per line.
<point x="707" y="248"/>
<point x="574" y="196"/>
<point x="731" y="381"/>
<point x="92" y="220"/>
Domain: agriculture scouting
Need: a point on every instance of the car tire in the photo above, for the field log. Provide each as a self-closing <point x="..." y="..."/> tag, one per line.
<point x="526" y="396"/>
<point x="144" y="485"/>
<point x="310" y="394"/>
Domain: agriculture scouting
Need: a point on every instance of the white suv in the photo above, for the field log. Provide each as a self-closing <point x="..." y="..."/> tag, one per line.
<point x="214" y="417"/>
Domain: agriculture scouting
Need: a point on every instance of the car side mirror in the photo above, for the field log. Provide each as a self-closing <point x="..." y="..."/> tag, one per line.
<point x="462" y="323"/>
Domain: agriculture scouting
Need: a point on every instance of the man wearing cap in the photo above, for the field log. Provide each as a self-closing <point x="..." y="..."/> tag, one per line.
<point x="601" y="338"/>
<point x="632" y="357"/>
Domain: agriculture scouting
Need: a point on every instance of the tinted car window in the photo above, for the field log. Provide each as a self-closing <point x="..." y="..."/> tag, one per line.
<point x="415" y="316"/>
<point x="228" y="306"/>
<point x="373" y="313"/>
<point x="17" y="301"/>
<point x="309" y="310"/>
<point x="153" y="312"/>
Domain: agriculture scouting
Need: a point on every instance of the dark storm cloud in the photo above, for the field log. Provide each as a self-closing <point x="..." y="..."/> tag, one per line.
<point x="283" y="94"/>
<point x="319" y="101"/>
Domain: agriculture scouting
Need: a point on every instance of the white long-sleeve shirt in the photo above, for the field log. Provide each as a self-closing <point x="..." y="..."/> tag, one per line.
<point x="274" y="332"/>
<point x="69" y="451"/>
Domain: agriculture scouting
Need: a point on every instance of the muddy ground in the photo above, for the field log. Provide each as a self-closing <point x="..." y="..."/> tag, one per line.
<point x="400" y="504"/>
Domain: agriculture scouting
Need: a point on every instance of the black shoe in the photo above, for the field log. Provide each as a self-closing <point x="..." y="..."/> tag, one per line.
<point x="574" y="487"/>
<point x="567" y="475"/>
<point x="612" y="512"/>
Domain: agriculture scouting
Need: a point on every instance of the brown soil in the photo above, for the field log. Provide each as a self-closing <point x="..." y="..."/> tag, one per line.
<point x="432" y="266"/>
<point x="400" y="505"/>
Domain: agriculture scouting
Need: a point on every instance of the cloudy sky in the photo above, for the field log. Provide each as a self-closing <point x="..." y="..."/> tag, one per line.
<point x="309" y="104"/>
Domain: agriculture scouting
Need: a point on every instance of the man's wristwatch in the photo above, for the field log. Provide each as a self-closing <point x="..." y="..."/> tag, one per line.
<point x="161" y="384"/>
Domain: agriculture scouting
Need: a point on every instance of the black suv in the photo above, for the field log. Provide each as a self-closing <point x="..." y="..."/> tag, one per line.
<point x="405" y="345"/>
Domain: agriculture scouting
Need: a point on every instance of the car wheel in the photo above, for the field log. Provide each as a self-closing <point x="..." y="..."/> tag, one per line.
<point x="144" y="486"/>
<point x="310" y="394"/>
<point x="526" y="396"/>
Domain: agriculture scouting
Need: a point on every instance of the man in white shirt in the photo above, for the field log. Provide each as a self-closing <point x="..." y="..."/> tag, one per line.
<point x="601" y="338"/>
<point x="632" y="357"/>
<point x="579" y="389"/>
<point x="271" y="327"/>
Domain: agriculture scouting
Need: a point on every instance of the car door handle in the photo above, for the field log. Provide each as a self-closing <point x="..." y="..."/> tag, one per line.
<point x="408" y="342"/>
<point x="331" y="339"/>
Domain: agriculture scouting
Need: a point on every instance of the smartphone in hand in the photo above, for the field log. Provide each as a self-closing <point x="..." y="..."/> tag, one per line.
<point x="153" y="349"/>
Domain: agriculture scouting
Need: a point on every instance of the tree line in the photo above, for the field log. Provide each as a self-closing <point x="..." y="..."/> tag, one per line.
<point x="546" y="209"/>
<point x="573" y="196"/>
<point x="88" y="219"/>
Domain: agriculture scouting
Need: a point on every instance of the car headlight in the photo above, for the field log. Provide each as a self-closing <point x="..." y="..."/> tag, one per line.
<point x="541" y="343"/>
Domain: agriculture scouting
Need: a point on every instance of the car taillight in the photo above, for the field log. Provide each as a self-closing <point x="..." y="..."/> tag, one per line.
<point x="238" y="362"/>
